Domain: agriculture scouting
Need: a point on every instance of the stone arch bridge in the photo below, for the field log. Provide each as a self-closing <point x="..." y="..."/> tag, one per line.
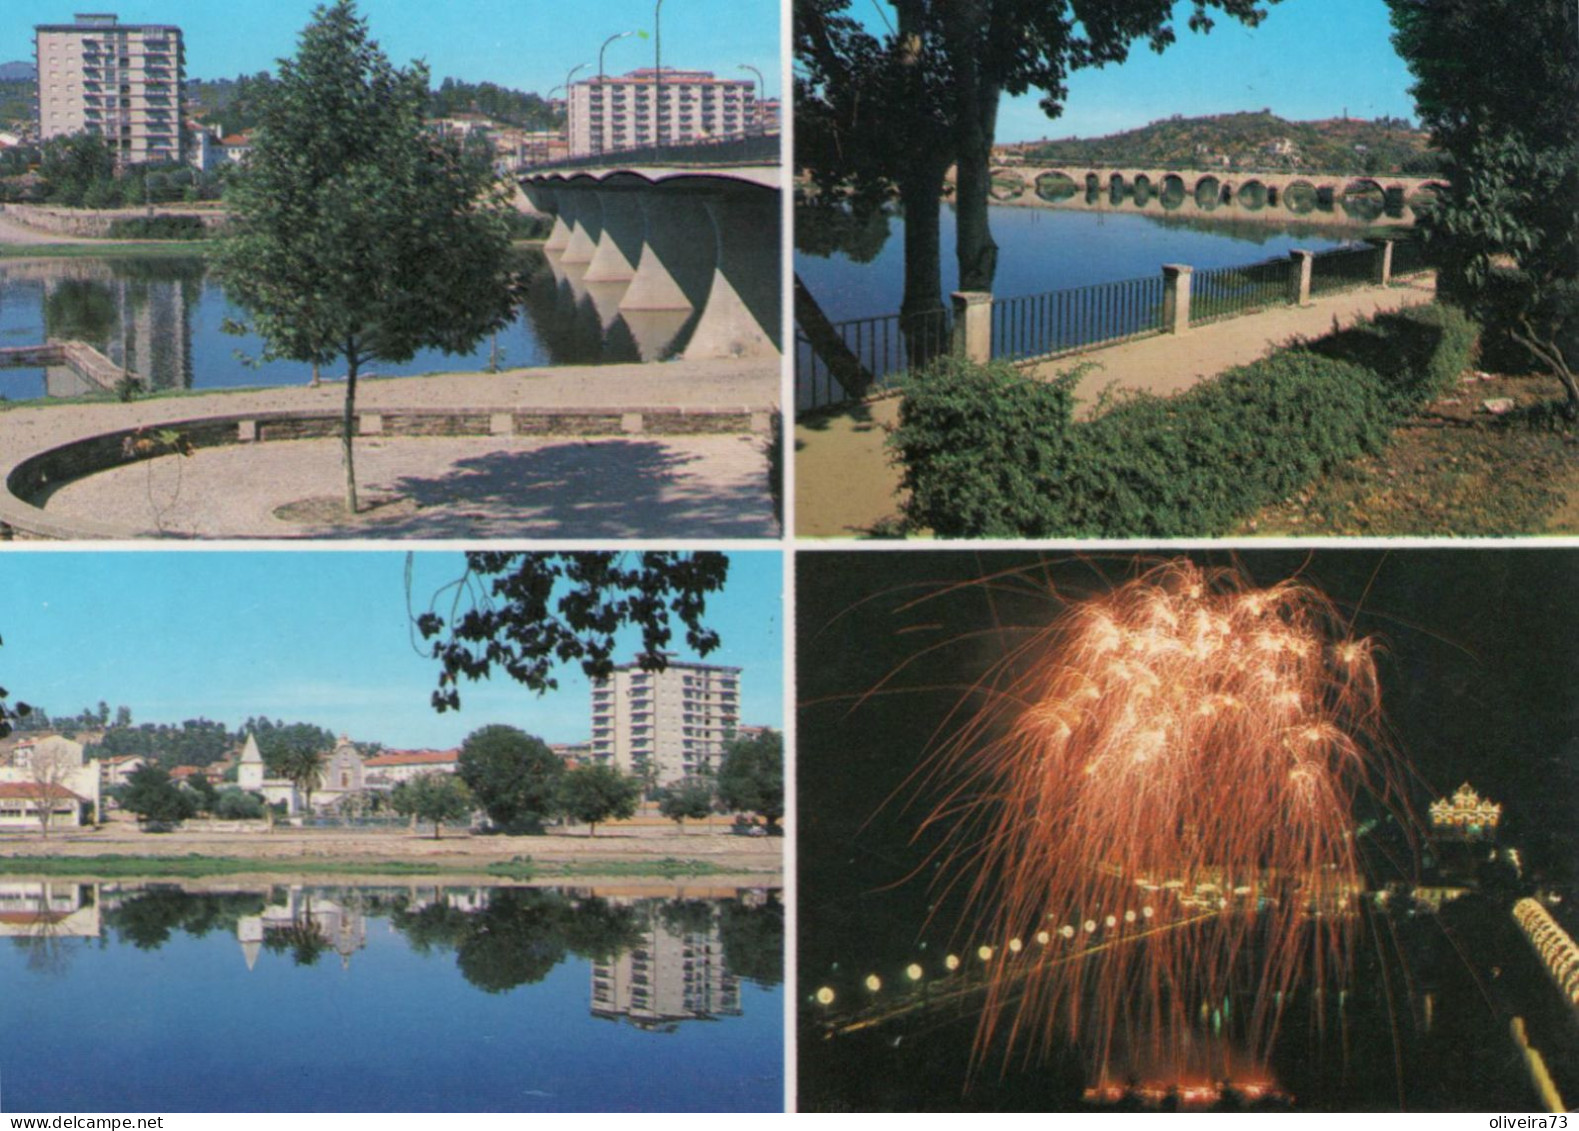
<point x="1195" y="191"/>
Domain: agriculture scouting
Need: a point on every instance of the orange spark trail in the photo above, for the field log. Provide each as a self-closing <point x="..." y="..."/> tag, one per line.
<point x="1186" y="745"/>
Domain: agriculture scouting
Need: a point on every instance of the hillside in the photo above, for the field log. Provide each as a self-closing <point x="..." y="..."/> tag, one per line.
<point x="1256" y="140"/>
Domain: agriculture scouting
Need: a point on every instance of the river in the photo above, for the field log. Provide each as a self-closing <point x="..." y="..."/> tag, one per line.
<point x="164" y="318"/>
<point x="860" y="273"/>
<point x="276" y="996"/>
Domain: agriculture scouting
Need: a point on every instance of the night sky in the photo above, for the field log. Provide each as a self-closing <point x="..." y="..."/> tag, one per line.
<point x="1479" y="664"/>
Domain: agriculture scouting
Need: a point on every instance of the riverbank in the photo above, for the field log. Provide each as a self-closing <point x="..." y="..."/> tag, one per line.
<point x="618" y="852"/>
<point x="845" y="485"/>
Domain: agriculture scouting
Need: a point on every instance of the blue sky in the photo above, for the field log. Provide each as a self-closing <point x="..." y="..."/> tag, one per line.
<point x="1308" y="59"/>
<point x="525" y="44"/>
<point x="314" y="636"/>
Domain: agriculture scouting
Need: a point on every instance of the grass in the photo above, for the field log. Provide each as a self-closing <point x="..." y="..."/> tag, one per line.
<point x="105" y="248"/>
<point x="193" y="866"/>
<point x="1453" y="471"/>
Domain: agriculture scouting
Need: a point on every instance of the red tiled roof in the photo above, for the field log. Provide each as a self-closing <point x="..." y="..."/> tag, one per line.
<point x="414" y="758"/>
<point x="182" y="772"/>
<point x="30" y="789"/>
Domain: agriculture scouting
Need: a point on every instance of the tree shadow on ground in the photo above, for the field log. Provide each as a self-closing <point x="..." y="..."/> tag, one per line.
<point x="576" y="489"/>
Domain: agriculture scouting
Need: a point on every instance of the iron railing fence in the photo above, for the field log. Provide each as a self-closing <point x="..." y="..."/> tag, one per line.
<point x="1045" y="325"/>
<point x="1223" y="292"/>
<point x="1342" y="268"/>
<point x="753" y="149"/>
<point x="880" y="347"/>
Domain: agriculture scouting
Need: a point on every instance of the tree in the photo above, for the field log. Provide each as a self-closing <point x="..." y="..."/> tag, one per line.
<point x="512" y="775"/>
<point x="204" y="796"/>
<point x="434" y="796"/>
<point x="355" y="231"/>
<point x="235" y="804"/>
<point x="593" y="794"/>
<point x="941" y="72"/>
<point x="690" y="797"/>
<point x="1496" y="83"/>
<point x="51" y="765"/>
<point x="155" y="799"/>
<point x="531" y="611"/>
<point x="751" y="779"/>
<point x="298" y="758"/>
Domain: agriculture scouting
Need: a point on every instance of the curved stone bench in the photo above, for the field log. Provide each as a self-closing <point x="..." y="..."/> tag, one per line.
<point x="41" y="471"/>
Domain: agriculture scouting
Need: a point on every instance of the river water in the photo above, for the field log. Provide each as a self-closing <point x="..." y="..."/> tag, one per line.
<point x="163" y="317"/>
<point x="1046" y="249"/>
<point x="233" y="997"/>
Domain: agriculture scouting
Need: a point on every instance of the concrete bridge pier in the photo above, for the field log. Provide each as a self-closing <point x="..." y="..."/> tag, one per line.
<point x="587" y="229"/>
<point x="744" y="309"/>
<point x="547" y="198"/>
<point x="613" y="263"/>
<point x="674" y="274"/>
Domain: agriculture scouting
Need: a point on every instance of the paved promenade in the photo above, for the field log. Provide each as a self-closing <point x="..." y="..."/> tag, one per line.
<point x="844" y="484"/>
<point x="636" y="486"/>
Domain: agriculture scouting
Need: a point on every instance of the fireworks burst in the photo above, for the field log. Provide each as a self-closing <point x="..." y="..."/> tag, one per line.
<point x="1155" y="810"/>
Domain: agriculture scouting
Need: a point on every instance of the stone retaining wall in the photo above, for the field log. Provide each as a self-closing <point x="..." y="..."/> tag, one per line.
<point x="90" y="223"/>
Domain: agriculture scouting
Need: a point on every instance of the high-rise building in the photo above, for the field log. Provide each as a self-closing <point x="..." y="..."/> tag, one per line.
<point x="675" y="973"/>
<point x="120" y="81"/>
<point x="643" y="108"/>
<point x="670" y="725"/>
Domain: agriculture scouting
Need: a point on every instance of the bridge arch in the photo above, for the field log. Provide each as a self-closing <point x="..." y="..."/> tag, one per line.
<point x="1007" y="183"/>
<point x="1208" y="193"/>
<point x="1055" y="185"/>
<point x="1252" y="195"/>
<point x="1299" y="197"/>
<point x="1173" y="191"/>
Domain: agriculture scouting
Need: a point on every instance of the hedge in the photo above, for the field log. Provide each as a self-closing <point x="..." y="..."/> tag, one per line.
<point x="986" y="451"/>
<point x="159" y="228"/>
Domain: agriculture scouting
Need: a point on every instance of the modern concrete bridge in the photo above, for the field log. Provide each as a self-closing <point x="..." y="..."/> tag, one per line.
<point x="688" y="258"/>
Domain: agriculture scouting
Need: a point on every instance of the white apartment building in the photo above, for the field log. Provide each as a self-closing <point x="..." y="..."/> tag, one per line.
<point x="120" y="81"/>
<point x="645" y="108"/>
<point x="671" y="724"/>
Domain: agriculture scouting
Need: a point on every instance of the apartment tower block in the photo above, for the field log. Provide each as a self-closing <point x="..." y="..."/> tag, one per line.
<point x="120" y="81"/>
<point x="665" y="725"/>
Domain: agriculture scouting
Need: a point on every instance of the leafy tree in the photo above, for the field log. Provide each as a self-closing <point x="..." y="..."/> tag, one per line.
<point x="355" y="231"/>
<point x="234" y="804"/>
<point x="204" y="796"/>
<point x="902" y="108"/>
<point x="751" y="779"/>
<point x="753" y="940"/>
<point x="530" y="611"/>
<point x="513" y="775"/>
<point x="691" y="797"/>
<point x="74" y="164"/>
<point x="155" y="799"/>
<point x="299" y="759"/>
<point x="593" y="794"/>
<point x="434" y="796"/>
<point x="1497" y="82"/>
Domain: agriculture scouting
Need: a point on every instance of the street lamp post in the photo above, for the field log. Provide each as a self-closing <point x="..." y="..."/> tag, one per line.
<point x="603" y="94"/>
<point x="657" y="77"/>
<point x="762" y="90"/>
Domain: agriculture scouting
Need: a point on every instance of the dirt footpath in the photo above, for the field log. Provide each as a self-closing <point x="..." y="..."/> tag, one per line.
<point x="845" y="485"/>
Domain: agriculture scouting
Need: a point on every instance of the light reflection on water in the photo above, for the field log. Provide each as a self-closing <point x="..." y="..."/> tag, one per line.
<point x="162" y="318"/>
<point x="413" y="997"/>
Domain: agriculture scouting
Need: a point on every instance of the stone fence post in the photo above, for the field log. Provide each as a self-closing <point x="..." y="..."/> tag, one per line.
<point x="1300" y="262"/>
<point x="1384" y="261"/>
<point x="972" y="326"/>
<point x="1176" y="297"/>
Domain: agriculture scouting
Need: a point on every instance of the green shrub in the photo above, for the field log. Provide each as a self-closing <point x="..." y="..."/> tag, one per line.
<point x="978" y="444"/>
<point x="158" y="228"/>
<point x="989" y="452"/>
